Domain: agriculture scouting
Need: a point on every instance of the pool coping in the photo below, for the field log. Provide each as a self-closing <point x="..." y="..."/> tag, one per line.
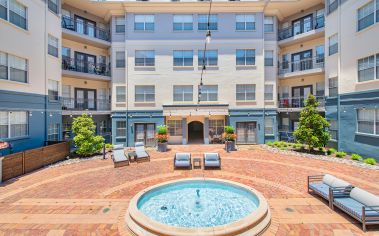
<point x="253" y="224"/>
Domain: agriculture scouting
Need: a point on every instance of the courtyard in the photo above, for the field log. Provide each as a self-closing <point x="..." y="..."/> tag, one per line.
<point x="91" y="197"/>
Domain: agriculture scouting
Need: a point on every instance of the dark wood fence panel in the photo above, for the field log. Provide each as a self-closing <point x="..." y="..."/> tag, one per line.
<point x="24" y="162"/>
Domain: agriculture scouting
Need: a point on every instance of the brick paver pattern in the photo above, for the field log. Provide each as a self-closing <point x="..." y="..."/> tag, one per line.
<point x="91" y="197"/>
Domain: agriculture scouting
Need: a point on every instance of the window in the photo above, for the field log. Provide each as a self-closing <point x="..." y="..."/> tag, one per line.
<point x="333" y="87"/>
<point x="333" y="129"/>
<point x="366" y="69"/>
<point x="53" y="5"/>
<point x="333" y="44"/>
<point x="211" y="58"/>
<point x="144" y="93"/>
<point x="183" y="93"/>
<point x="144" y="22"/>
<point x="175" y="127"/>
<point x="377" y="10"/>
<point x="13" y="124"/>
<point x="320" y="89"/>
<point x="121" y="131"/>
<point x="377" y="66"/>
<point x="368" y="121"/>
<point x="13" y="68"/>
<point x="320" y="54"/>
<point x="216" y="128"/>
<point x="53" y="132"/>
<point x="52" y="46"/>
<point x="269" y="92"/>
<point x="145" y="58"/>
<point x="366" y="16"/>
<point x="269" y="24"/>
<point x="17" y="14"/>
<point x="183" y="22"/>
<point x="245" y="57"/>
<point x="183" y="58"/>
<point x="103" y="128"/>
<point x="209" y="93"/>
<point x="285" y="126"/>
<point x="269" y="126"/>
<point x="269" y="58"/>
<point x="245" y="22"/>
<point x="245" y="92"/>
<point x="203" y="22"/>
<point x="120" y="24"/>
<point x="3" y="9"/>
<point x="53" y="90"/>
<point x="120" y="94"/>
<point x="332" y="5"/>
<point x="120" y="59"/>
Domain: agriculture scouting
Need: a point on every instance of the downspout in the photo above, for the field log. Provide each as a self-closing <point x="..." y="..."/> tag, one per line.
<point x="339" y="76"/>
<point x="45" y="72"/>
<point x="264" y="86"/>
<point x="127" y="83"/>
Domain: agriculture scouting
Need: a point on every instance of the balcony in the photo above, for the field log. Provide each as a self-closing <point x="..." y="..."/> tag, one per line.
<point x="79" y="31"/>
<point x="297" y="103"/>
<point x="77" y="106"/>
<point x="298" y="33"/>
<point x="85" y="69"/>
<point x="303" y="67"/>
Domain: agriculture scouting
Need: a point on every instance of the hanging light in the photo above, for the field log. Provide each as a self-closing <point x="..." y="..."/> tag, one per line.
<point x="208" y="37"/>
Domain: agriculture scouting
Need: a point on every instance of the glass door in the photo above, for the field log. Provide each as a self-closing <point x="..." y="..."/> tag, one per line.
<point x="91" y="99"/>
<point x="85" y="26"/>
<point x="302" y="25"/>
<point x="300" y="94"/>
<point x="246" y="132"/>
<point x="85" y="99"/>
<point x="302" y="61"/>
<point x="85" y="63"/>
<point x="145" y="133"/>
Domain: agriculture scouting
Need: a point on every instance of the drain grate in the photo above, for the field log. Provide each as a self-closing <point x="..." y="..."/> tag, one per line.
<point x="290" y="209"/>
<point x="106" y="210"/>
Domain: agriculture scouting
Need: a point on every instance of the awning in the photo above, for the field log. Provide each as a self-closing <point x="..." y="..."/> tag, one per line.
<point x="196" y="110"/>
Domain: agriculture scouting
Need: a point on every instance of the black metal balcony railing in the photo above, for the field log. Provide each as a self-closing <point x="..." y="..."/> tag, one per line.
<point x="85" y="28"/>
<point x="298" y="102"/>
<point x="301" y="65"/>
<point x="79" y="104"/>
<point x="85" y="66"/>
<point x="307" y="26"/>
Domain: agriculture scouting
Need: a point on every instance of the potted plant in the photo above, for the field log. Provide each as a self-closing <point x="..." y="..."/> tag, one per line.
<point x="162" y="138"/>
<point x="230" y="138"/>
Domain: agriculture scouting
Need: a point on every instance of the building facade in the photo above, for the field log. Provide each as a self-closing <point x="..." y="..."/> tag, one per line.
<point x="135" y="65"/>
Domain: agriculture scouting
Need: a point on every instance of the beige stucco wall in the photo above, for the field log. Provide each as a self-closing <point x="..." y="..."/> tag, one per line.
<point x="85" y="48"/>
<point x="301" y="81"/>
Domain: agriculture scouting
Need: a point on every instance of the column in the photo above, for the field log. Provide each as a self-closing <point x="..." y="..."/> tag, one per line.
<point x="206" y="130"/>
<point x="184" y="130"/>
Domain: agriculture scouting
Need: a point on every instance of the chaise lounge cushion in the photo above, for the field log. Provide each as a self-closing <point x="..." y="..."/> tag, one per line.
<point x="119" y="155"/>
<point x="212" y="160"/>
<point x="321" y="188"/>
<point x="354" y="207"/>
<point x="118" y="147"/>
<point x="182" y="160"/>
<point x="211" y="156"/>
<point x="334" y="182"/>
<point x="364" y="197"/>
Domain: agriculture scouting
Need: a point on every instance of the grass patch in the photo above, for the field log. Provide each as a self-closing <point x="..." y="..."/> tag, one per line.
<point x="331" y="151"/>
<point x="370" y="161"/>
<point x="340" y="154"/>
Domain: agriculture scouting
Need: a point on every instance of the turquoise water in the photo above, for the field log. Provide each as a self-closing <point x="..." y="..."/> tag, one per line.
<point x="197" y="203"/>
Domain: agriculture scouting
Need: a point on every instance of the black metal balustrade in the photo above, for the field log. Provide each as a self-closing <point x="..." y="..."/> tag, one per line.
<point x="307" y="26"/>
<point x="301" y="65"/>
<point x="85" y="28"/>
<point x="85" y="66"/>
<point x="81" y="104"/>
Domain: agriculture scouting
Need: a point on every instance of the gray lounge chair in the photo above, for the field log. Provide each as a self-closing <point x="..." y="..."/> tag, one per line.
<point x="212" y="160"/>
<point x="322" y="185"/>
<point x="358" y="203"/>
<point x="118" y="156"/>
<point x="141" y="154"/>
<point x="182" y="160"/>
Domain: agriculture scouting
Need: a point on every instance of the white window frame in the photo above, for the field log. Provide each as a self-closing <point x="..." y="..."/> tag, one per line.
<point x="366" y="13"/>
<point x="175" y="128"/>
<point x="245" y="91"/>
<point x="118" y="128"/>
<point x="331" y="40"/>
<point x="145" y="63"/>
<point x="144" y="94"/>
<point x="376" y="113"/>
<point x="213" y="21"/>
<point x="200" y="56"/>
<point x="117" y="20"/>
<point x="8" y="58"/>
<point x="266" y="93"/>
<point x="9" y="124"/>
<point x="245" y="57"/>
<point x="368" y="65"/>
<point x="120" y="94"/>
<point x="53" y="132"/>
<point x="145" y="21"/>
<point x="183" y="93"/>
<point x="269" y="21"/>
<point x="8" y="11"/>
<point x="272" y="127"/>
<point x="120" y="59"/>
<point x="334" y="87"/>
<point x="52" y="46"/>
<point x="181" y="19"/>
<point x="182" y="57"/>
<point x="53" y="86"/>
<point x="205" y="93"/>
<point x="269" y="61"/>
<point x="55" y="2"/>
<point x="245" y="22"/>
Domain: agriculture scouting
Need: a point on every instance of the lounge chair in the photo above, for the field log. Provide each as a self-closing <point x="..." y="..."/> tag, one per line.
<point x="322" y="185"/>
<point x="182" y="160"/>
<point x="141" y="154"/>
<point x="118" y="156"/>
<point x="212" y="160"/>
<point x="359" y="204"/>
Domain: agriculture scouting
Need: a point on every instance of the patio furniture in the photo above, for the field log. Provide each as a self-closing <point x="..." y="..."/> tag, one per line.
<point x="141" y="154"/>
<point x="118" y="156"/>
<point x="357" y="203"/>
<point x="197" y="163"/>
<point x="322" y="185"/>
<point x="212" y="160"/>
<point x="132" y="156"/>
<point x="182" y="160"/>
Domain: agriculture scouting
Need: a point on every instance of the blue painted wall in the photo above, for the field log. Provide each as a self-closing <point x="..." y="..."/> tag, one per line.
<point x="39" y="119"/>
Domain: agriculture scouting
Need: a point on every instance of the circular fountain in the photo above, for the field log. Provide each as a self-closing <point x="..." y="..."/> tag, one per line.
<point x="199" y="206"/>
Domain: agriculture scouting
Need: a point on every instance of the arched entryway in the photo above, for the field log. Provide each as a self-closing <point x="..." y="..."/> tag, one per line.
<point x="195" y="132"/>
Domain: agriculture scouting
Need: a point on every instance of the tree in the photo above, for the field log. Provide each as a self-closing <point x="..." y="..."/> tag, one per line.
<point x="86" y="141"/>
<point x="312" y="128"/>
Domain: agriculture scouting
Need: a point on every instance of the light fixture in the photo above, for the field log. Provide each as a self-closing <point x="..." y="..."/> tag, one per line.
<point x="51" y="114"/>
<point x="30" y="114"/>
<point x="208" y="37"/>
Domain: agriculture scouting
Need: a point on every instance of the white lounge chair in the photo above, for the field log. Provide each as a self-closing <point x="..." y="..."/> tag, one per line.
<point x="212" y="160"/>
<point x="182" y="160"/>
<point x="118" y="156"/>
<point x="141" y="154"/>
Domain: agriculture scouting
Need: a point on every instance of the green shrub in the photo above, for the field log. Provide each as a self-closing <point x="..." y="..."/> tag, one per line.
<point x="229" y="129"/>
<point x="331" y="151"/>
<point x="340" y="154"/>
<point x="276" y="144"/>
<point x="270" y="143"/>
<point x="370" y="161"/>
<point x="356" y="157"/>
<point x="298" y="145"/>
<point x="108" y="145"/>
<point x="162" y="129"/>
<point x="86" y="141"/>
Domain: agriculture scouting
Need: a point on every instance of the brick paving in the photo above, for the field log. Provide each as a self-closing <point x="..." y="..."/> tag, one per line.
<point x="91" y="197"/>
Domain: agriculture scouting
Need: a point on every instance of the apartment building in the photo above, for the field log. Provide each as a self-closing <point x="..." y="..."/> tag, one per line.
<point x="134" y="65"/>
<point x="30" y="74"/>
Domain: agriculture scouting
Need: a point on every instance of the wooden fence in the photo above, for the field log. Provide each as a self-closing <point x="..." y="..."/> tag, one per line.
<point x="20" y="163"/>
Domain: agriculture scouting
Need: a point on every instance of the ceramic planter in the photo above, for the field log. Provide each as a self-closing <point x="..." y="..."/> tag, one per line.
<point x="162" y="147"/>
